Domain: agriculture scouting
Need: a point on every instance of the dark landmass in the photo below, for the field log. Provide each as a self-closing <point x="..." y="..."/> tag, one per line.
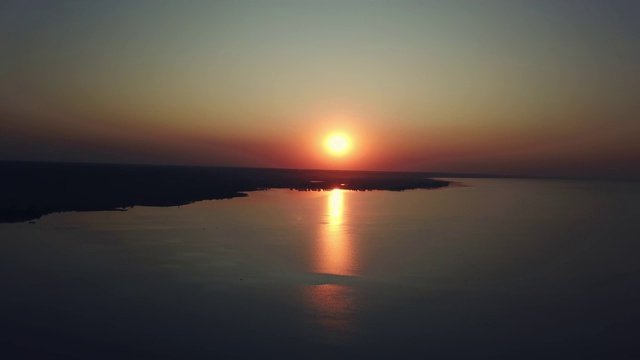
<point x="29" y="190"/>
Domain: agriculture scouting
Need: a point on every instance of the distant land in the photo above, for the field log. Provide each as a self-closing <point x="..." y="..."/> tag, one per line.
<point x="30" y="190"/>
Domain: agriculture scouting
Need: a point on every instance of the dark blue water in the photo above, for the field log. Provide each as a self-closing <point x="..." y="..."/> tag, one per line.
<point x="494" y="269"/>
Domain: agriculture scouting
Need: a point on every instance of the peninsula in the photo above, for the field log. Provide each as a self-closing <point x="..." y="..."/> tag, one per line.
<point x="29" y="190"/>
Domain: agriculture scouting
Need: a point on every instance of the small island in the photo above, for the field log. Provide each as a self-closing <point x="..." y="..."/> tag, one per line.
<point x="30" y="190"/>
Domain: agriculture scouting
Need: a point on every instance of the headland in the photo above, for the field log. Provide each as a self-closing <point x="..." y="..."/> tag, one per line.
<point x="29" y="190"/>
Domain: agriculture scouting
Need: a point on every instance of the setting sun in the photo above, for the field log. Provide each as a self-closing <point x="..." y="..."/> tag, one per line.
<point x="338" y="144"/>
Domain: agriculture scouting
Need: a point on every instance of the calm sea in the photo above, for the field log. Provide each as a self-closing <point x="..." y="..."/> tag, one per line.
<point x="488" y="269"/>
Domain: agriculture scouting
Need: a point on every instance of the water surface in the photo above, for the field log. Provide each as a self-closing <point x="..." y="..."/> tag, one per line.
<point x="495" y="268"/>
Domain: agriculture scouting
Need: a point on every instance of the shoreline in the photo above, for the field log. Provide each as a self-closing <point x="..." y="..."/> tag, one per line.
<point x="29" y="191"/>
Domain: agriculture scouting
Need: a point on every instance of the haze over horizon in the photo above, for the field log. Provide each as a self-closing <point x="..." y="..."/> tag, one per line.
<point x="528" y="88"/>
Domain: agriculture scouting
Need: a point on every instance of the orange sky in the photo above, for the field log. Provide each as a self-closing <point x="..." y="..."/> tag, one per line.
<point x="521" y="88"/>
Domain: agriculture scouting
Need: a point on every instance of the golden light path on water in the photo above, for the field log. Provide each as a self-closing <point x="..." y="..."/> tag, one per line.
<point x="333" y="303"/>
<point x="334" y="254"/>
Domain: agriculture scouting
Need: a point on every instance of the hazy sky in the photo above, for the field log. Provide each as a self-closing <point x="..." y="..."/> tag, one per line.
<point x="512" y="87"/>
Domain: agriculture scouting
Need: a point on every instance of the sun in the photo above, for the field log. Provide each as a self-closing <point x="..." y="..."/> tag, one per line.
<point x="338" y="144"/>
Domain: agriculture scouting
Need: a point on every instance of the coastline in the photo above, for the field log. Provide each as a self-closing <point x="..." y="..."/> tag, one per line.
<point x="29" y="191"/>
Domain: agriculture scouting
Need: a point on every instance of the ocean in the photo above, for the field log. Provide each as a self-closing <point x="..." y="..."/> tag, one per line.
<point x="486" y="268"/>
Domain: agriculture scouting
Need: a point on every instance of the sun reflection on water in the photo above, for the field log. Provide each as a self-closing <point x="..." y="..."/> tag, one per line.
<point x="336" y="202"/>
<point x="334" y="254"/>
<point x="333" y="304"/>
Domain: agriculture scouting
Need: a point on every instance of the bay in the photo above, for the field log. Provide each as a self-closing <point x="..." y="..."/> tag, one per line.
<point x="488" y="268"/>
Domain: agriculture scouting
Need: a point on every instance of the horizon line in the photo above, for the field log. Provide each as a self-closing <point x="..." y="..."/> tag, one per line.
<point x="429" y="173"/>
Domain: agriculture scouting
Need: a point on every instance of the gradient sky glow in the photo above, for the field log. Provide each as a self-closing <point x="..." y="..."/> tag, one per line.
<point x="509" y="87"/>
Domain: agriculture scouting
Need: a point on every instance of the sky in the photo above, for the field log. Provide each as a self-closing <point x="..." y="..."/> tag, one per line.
<point x="531" y="88"/>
